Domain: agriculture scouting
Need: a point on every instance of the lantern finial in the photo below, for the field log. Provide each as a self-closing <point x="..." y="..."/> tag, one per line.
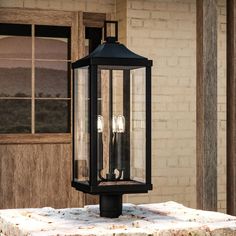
<point x="111" y="38"/>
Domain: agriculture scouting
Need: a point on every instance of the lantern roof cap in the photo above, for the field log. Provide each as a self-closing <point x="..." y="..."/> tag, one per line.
<point x="112" y="53"/>
<point x="114" y="50"/>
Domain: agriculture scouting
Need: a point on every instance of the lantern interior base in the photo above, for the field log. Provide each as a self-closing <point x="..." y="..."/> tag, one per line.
<point x="110" y="205"/>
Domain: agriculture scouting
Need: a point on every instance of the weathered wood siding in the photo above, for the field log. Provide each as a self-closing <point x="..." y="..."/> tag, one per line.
<point x="207" y="104"/>
<point x="231" y="107"/>
<point x="37" y="175"/>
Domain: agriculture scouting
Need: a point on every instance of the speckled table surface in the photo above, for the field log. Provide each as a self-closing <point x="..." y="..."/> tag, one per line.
<point x="164" y="219"/>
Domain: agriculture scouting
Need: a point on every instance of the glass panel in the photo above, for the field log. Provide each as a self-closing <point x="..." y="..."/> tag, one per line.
<point x="105" y="162"/>
<point x="52" y="79"/>
<point x="15" y="78"/>
<point x="52" y="116"/>
<point x="138" y="125"/>
<point x="15" y="47"/>
<point x="81" y="125"/>
<point x="51" y="48"/>
<point x="121" y="135"/>
<point x="15" y="116"/>
<point x="112" y="165"/>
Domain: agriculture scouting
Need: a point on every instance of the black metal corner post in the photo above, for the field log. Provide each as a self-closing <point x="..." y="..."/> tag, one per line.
<point x="148" y="126"/>
<point x="110" y="175"/>
<point x="93" y="125"/>
<point x="73" y="126"/>
<point x="126" y="111"/>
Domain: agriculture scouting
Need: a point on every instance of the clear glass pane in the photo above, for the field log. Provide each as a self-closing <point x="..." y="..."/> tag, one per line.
<point x="81" y="125"/>
<point x="138" y="125"/>
<point x="15" y="116"/>
<point x="15" y="78"/>
<point x="52" y="79"/>
<point x="15" y="47"/>
<point x="121" y="135"/>
<point x="51" y="48"/>
<point x="113" y="165"/>
<point x="52" y="116"/>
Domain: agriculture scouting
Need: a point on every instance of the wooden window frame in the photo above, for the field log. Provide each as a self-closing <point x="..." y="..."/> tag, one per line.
<point x="33" y="98"/>
<point x="77" y="21"/>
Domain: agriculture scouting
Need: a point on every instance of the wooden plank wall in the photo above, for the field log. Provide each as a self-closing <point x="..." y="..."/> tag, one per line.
<point x="36" y="168"/>
<point x="231" y="107"/>
<point x="37" y="175"/>
<point x="207" y="104"/>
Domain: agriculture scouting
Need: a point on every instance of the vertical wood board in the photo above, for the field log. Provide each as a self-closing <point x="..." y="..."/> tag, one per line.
<point x="231" y="107"/>
<point x="37" y="175"/>
<point x="207" y="104"/>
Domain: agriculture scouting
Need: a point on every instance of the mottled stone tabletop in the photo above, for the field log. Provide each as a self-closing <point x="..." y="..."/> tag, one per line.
<point x="160" y="219"/>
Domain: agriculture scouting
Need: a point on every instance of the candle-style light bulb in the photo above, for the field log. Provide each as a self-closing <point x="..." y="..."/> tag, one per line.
<point x="114" y="124"/>
<point x="100" y="124"/>
<point x="120" y="124"/>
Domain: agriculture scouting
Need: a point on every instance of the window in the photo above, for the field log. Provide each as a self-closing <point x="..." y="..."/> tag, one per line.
<point x="93" y="37"/>
<point x="35" y="79"/>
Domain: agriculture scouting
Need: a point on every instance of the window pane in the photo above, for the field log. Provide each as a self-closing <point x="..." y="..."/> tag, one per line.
<point x="15" y="116"/>
<point x="15" y="29"/>
<point x="52" y="116"/>
<point x="51" y="79"/>
<point x="51" y="48"/>
<point x="52" y="31"/>
<point x="52" y="42"/>
<point x="15" y="47"/>
<point x="15" y="78"/>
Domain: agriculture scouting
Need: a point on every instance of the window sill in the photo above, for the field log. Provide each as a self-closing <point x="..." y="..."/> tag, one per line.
<point x="62" y="138"/>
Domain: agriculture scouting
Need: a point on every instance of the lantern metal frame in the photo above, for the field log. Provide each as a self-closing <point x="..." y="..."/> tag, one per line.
<point x="111" y="53"/>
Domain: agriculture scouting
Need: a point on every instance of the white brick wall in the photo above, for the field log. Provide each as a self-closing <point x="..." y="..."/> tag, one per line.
<point x="165" y="32"/>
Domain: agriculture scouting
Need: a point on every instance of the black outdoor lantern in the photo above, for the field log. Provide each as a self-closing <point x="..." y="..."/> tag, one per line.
<point x="112" y="124"/>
